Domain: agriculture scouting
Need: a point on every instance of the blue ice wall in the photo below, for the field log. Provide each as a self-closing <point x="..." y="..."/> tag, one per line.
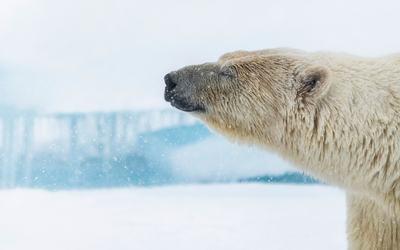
<point x="92" y="150"/>
<point x="118" y="149"/>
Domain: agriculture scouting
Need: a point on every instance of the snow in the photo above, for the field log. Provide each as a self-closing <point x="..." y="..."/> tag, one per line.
<point x="224" y="216"/>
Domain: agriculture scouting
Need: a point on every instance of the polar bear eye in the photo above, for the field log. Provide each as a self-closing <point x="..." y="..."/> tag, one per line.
<point x="226" y="72"/>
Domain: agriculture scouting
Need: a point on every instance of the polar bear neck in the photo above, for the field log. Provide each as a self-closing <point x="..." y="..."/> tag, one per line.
<point x="355" y="130"/>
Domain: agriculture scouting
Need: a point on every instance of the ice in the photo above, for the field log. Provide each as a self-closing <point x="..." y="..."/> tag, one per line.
<point x="92" y="150"/>
<point x="229" y="216"/>
<point x="216" y="159"/>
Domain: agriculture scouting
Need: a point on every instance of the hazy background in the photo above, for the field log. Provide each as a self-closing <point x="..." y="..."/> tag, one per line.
<point x="91" y="55"/>
<point x="82" y="108"/>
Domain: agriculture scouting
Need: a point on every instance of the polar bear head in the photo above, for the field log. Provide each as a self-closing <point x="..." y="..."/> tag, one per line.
<point x="249" y="95"/>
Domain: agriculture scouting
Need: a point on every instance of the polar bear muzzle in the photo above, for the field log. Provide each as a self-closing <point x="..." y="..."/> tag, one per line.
<point x="179" y="95"/>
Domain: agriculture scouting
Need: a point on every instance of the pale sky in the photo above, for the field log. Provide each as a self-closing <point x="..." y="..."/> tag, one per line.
<point x="92" y="55"/>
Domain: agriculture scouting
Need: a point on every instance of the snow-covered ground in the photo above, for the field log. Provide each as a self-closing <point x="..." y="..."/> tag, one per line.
<point x="223" y="216"/>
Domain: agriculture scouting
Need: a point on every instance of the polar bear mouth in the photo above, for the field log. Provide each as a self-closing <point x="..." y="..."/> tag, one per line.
<point x="185" y="106"/>
<point x="171" y="96"/>
<point x="181" y="104"/>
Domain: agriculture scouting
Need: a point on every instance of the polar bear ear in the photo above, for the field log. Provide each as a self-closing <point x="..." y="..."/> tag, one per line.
<point x="315" y="82"/>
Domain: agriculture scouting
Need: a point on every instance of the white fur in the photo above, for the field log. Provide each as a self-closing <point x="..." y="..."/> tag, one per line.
<point x="345" y="130"/>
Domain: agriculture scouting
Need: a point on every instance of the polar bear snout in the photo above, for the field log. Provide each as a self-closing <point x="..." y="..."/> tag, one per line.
<point x="180" y="95"/>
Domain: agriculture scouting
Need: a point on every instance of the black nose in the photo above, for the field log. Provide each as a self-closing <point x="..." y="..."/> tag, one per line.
<point x="169" y="88"/>
<point x="168" y="82"/>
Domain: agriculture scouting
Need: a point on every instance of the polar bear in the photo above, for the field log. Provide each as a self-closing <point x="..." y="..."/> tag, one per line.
<point x="334" y="116"/>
